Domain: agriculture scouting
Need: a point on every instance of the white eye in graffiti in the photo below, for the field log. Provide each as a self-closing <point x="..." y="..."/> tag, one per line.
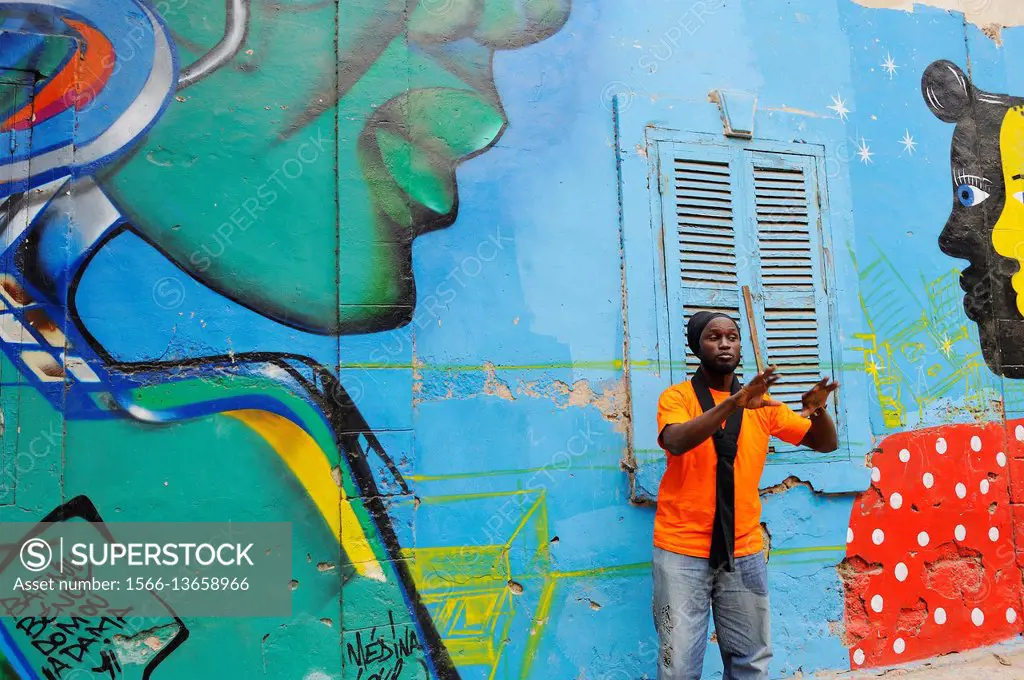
<point x="970" y="195"/>
<point x="1019" y="196"/>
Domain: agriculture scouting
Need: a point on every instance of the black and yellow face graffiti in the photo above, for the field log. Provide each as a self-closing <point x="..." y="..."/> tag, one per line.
<point x="986" y="226"/>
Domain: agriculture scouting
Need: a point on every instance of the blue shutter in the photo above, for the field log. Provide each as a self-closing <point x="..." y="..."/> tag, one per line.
<point x="702" y="224"/>
<point x="791" y="292"/>
<point x="733" y="217"/>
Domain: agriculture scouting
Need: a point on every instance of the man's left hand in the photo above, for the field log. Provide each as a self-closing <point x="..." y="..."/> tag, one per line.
<point x="817" y="397"/>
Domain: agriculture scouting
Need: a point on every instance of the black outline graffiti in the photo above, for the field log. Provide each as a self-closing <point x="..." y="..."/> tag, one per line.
<point x="82" y="507"/>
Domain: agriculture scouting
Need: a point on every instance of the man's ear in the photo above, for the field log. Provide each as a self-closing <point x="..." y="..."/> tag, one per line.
<point x="948" y="92"/>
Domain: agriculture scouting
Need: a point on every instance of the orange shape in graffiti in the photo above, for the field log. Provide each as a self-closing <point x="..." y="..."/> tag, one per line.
<point x="78" y="82"/>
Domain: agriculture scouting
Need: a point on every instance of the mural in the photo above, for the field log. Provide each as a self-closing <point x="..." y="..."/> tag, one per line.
<point x="985" y="226"/>
<point x="931" y="566"/>
<point x="286" y="218"/>
<point x="933" y="563"/>
<point x="208" y="311"/>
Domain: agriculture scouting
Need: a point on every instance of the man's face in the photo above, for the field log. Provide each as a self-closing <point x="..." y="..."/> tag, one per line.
<point x="295" y="177"/>
<point x="985" y="224"/>
<point x="720" y="346"/>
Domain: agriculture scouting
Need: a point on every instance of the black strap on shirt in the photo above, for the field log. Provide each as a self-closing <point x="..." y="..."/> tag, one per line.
<point x="723" y="531"/>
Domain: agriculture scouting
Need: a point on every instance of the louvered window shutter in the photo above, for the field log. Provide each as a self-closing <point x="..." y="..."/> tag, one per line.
<point x="792" y="299"/>
<point x="704" y="250"/>
<point x="732" y="217"/>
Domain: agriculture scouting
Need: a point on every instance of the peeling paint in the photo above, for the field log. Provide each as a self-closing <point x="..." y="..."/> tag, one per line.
<point x="792" y="482"/>
<point x="839" y="630"/>
<point x="611" y="399"/>
<point x="785" y="485"/>
<point x="995" y="32"/>
<point x="494" y="386"/>
<point x="144" y="645"/>
<point x="982" y="13"/>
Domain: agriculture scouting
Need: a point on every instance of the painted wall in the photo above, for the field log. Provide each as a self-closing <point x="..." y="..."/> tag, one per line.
<point x="386" y="271"/>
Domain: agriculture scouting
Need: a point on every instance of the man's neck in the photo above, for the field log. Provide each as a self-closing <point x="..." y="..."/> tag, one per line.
<point x="720" y="382"/>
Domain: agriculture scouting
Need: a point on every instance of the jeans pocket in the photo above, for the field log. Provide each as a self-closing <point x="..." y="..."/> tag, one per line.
<point x="754" y="574"/>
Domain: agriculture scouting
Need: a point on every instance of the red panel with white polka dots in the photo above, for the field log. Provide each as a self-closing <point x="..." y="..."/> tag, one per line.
<point x="931" y="566"/>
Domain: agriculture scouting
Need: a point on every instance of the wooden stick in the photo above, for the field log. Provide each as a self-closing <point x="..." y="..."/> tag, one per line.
<point x="749" y="302"/>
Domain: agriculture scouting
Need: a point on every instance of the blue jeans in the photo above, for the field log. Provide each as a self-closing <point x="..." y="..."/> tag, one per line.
<point x="686" y="590"/>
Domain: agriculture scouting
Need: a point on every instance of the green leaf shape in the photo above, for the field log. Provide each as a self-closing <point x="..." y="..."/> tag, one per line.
<point x="422" y="175"/>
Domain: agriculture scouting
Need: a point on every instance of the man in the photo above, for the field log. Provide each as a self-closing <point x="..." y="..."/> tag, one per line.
<point x="708" y="548"/>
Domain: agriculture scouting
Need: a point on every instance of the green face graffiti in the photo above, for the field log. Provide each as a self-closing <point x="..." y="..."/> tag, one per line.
<point x="302" y="199"/>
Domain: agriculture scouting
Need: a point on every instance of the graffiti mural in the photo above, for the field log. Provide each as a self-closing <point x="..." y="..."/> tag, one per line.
<point x="135" y="178"/>
<point x="390" y="272"/>
<point x="933" y="560"/>
<point x="85" y="634"/>
<point x="986" y="226"/>
<point x="931" y="566"/>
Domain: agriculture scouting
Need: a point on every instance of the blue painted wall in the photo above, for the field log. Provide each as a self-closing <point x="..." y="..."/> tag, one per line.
<point x="552" y="300"/>
<point x="516" y="387"/>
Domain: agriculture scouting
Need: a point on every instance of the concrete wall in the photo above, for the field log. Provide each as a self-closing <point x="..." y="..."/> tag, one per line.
<point x="394" y="273"/>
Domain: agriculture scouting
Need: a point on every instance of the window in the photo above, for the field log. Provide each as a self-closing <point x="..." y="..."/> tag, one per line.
<point x="735" y="216"/>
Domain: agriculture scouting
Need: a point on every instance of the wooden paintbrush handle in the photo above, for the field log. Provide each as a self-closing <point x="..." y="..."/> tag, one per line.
<point x="748" y="300"/>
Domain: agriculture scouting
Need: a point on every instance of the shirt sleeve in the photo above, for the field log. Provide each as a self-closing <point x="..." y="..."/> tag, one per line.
<point x="788" y="425"/>
<point x="673" y="409"/>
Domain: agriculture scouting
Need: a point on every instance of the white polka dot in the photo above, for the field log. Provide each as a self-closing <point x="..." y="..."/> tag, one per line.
<point x="940" y="616"/>
<point x="896" y="501"/>
<point x="877" y="536"/>
<point x="876" y="475"/>
<point x="849" y="534"/>
<point x="983" y="486"/>
<point x="977" y="617"/>
<point x="904" y="455"/>
<point x="1019" y="432"/>
<point x="927" y="480"/>
<point x="876" y="604"/>
<point x="993" y="534"/>
<point x="961" y="490"/>
<point x="899" y="645"/>
<point x="858" y="657"/>
<point x="1001" y="459"/>
<point x="901" y="572"/>
<point x="960" y="532"/>
<point x="1011" y="615"/>
<point x="976" y="443"/>
<point x="940" y="445"/>
<point x="922" y="539"/>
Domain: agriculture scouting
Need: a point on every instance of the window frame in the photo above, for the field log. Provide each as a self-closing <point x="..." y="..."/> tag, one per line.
<point x="670" y="319"/>
<point x="634" y="122"/>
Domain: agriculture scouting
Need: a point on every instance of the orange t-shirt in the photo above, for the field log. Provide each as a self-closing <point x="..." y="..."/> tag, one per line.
<point x="686" y="497"/>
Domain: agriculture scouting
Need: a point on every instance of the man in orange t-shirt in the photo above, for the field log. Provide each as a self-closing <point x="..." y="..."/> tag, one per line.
<point x="708" y="549"/>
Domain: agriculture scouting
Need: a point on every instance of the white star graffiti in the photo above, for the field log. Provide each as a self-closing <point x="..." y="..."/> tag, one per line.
<point x="839" y="106"/>
<point x="909" y="145"/>
<point x="889" y="66"/>
<point x="864" y="152"/>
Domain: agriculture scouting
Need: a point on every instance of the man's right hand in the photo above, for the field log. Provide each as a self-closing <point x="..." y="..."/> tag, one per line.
<point x="754" y="395"/>
<point x="678" y="438"/>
